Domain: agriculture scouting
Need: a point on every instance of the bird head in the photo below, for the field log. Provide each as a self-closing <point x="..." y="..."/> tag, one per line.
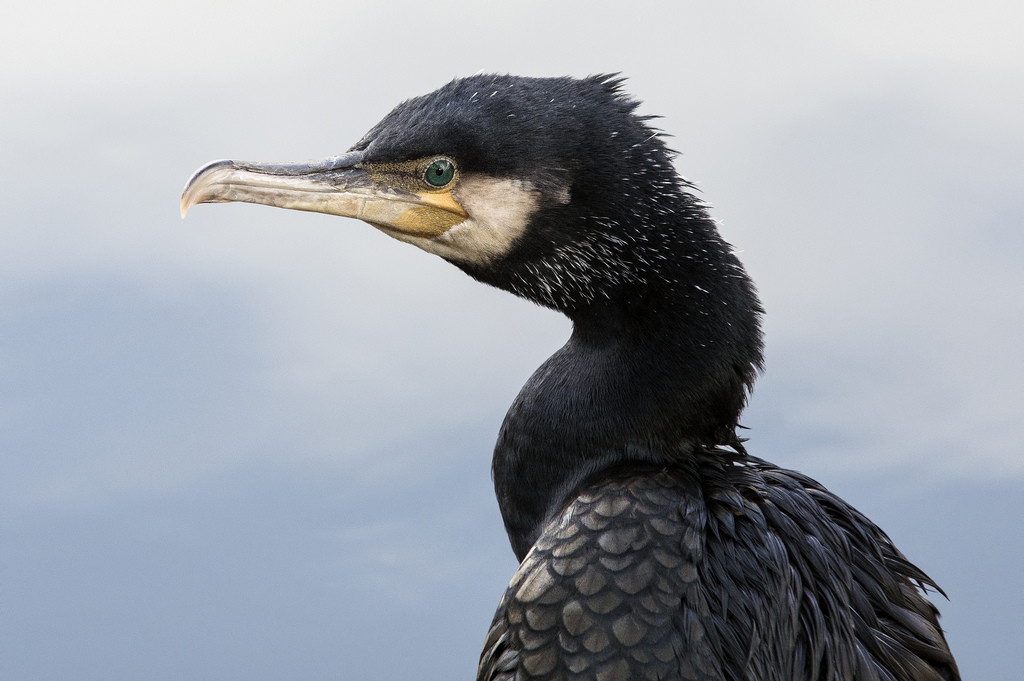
<point x="531" y="184"/>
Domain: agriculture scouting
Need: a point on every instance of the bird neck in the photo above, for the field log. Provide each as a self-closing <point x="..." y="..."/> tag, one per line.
<point x="639" y="382"/>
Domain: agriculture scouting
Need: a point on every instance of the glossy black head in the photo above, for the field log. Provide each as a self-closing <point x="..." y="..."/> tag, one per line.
<point x="608" y="204"/>
<point x="531" y="129"/>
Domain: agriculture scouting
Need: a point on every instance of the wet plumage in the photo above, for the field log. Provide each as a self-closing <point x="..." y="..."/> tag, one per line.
<point x="719" y="569"/>
<point x="652" y="546"/>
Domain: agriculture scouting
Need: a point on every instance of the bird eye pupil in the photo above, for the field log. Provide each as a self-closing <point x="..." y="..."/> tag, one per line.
<point x="440" y="172"/>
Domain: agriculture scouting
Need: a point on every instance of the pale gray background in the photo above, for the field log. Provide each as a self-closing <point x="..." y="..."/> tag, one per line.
<point x="255" y="444"/>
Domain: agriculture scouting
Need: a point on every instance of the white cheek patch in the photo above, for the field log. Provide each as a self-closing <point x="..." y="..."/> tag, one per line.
<point x="499" y="211"/>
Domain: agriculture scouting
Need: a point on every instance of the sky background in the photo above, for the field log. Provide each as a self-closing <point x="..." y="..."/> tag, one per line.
<point x="256" y="444"/>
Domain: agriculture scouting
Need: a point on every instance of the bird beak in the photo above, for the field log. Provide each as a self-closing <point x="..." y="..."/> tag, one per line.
<point x="336" y="186"/>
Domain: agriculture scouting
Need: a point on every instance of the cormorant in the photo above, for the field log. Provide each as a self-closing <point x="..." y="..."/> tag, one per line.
<point x="652" y="546"/>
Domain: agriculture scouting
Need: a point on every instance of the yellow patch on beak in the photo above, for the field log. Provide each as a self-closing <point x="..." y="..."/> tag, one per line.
<point x="441" y="213"/>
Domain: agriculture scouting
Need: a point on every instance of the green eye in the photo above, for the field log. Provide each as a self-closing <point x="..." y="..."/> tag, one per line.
<point x="440" y="172"/>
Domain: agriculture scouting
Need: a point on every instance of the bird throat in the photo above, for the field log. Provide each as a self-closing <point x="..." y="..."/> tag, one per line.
<point x="605" y="401"/>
